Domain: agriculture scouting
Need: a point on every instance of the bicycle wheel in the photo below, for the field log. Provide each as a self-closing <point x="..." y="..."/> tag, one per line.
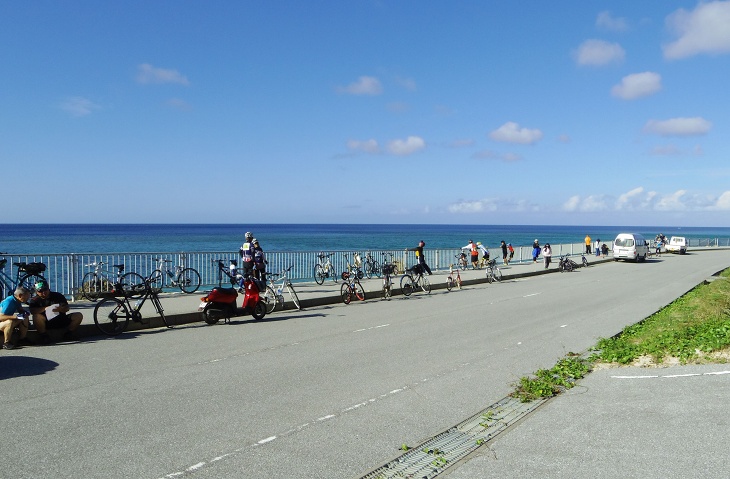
<point x="134" y="285"/>
<point x="319" y="274"/>
<point x="293" y="295"/>
<point x="490" y="275"/>
<point x="157" y="280"/>
<point x="91" y="287"/>
<point x="269" y="298"/>
<point x="406" y="285"/>
<point x="333" y="273"/>
<point x="387" y="288"/>
<point x="158" y="307"/>
<point x="345" y="293"/>
<point x="111" y="316"/>
<point x="259" y="310"/>
<point x="359" y="291"/>
<point x="497" y="273"/>
<point x="189" y="280"/>
<point x="585" y="262"/>
<point x="458" y="282"/>
<point x="449" y="283"/>
<point x="376" y="269"/>
<point x="425" y="285"/>
<point x="28" y="282"/>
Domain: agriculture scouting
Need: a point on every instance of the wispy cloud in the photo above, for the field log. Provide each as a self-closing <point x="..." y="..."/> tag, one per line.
<point x="366" y="146"/>
<point x="492" y="155"/>
<point x="365" y="85"/>
<point x="406" y="147"/>
<point x="511" y="132"/>
<point x="606" y="21"/>
<point x="703" y="30"/>
<point x="599" y="53"/>
<point x="679" y="126"/>
<point x="147" y="74"/>
<point x="78" y="106"/>
<point x="637" y="85"/>
<point x="638" y="199"/>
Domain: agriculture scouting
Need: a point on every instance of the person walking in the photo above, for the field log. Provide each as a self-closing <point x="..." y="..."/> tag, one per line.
<point x="503" y="245"/>
<point x="547" y="253"/>
<point x="420" y="256"/>
<point x="588" y="244"/>
<point x="474" y="251"/>
<point x="535" y="250"/>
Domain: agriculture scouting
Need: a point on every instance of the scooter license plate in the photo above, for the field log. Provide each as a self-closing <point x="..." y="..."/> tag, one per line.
<point x="202" y="306"/>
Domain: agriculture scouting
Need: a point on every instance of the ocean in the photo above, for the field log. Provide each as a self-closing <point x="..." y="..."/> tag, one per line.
<point x="150" y="238"/>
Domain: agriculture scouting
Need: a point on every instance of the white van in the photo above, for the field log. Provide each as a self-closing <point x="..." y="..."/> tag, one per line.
<point x="678" y="244"/>
<point x="631" y="246"/>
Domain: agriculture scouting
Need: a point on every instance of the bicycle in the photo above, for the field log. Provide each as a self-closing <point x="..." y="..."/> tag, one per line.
<point x="452" y="281"/>
<point x="493" y="272"/>
<point x="461" y="261"/>
<point x="31" y="275"/>
<point x="414" y="278"/>
<point x="275" y="291"/>
<point x="566" y="264"/>
<point x="324" y="269"/>
<point x="231" y="272"/>
<point x="99" y="282"/>
<point x="187" y="279"/>
<point x="388" y="270"/>
<point x="112" y="314"/>
<point x="371" y="266"/>
<point x="584" y="260"/>
<point x="352" y="267"/>
<point x="350" y="288"/>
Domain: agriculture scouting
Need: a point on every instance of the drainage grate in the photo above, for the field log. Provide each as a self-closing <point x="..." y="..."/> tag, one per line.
<point x="438" y="453"/>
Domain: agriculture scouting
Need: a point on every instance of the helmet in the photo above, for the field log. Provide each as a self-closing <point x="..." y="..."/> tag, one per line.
<point x="249" y="235"/>
<point x="479" y="243"/>
<point x="254" y="240"/>
<point x="422" y="243"/>
<point x="41" y="285"/>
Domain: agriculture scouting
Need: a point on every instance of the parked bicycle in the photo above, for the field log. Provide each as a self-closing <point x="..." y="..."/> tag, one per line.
<point x="352" y="289"/>
<point x="353" y="268"/>
<point x="231" y="272"/>
<point x="28" y="275"/>
<point x="493" y="271"/>
<point x="101" y="282"/>
<point x="414" y="279"/>
<point x="388" y="270"/>
<point x="566" y="264"/>
<point x="112" y="314"/>
<point x="461" y="261"/>
<point x="454" y="278"/>
<point x="274" y="295"/>
<point x="324" y="269"/>
<point x="584" y="260"/>
<point x="187" y="279"/>
<point x="372" y="268"/>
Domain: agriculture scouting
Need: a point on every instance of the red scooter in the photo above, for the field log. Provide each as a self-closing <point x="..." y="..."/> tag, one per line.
<point x="221" y="303"/>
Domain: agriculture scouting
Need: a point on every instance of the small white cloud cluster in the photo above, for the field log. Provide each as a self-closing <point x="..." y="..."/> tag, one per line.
<point x="599" y="53"/>
<point x="606" y="21"/>
<point x="147" y="73"/>
<point x="706" y="29"/>
<point x="78" y="106"/>
<point x="511" y="132"/>
<point x="679" y="126"/>
<point x="637" y="85"/>
<point x="399" y="147"/>
<point x="365" y="85"/>
<point x="640" y="200"/>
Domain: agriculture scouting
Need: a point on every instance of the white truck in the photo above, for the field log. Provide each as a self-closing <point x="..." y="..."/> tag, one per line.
<point x="677" y="244"/>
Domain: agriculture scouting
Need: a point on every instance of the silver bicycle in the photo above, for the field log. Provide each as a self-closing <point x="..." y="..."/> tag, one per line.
<point x="187" y="279"/>
<point x="274" y="295"/>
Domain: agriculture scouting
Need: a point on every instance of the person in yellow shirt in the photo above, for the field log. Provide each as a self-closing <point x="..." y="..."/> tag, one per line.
<point x="588" y="244"/>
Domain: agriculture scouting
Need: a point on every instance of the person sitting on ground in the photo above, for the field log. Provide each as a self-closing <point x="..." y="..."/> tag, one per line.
<point x="50" y="311"/>
<point x="12" y="315"/>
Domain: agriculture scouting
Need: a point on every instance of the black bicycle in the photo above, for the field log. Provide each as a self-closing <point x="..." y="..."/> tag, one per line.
<point x="112" y="314"/>
<point x="372" y="268"/>
<point x="413" y="279"/>
<point x="231" y="272"/>
<point x="28" y="275"/>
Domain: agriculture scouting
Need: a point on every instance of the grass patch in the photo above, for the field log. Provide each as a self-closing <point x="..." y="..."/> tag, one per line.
<point x="693" y="328"/>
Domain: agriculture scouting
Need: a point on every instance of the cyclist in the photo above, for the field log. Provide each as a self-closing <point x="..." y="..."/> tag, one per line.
<point x="259" y="261"/>
<point x="12" y="315"/>
<point x="50" y="303"/>
<point x="247" y="253"/>
<point x="474" y="250"/>
<point x="420" y="256"/>
<point x="484" y="250"/>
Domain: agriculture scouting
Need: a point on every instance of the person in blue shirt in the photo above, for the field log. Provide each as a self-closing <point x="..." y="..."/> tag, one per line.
<point x="246" y="251"/>
<point x="12" y="315"/>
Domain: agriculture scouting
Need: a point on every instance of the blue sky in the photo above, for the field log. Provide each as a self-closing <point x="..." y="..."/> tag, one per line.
<point x="462" y="112"/>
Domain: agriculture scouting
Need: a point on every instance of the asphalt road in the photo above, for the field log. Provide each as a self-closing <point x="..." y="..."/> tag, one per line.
<point x="325" y="392"/>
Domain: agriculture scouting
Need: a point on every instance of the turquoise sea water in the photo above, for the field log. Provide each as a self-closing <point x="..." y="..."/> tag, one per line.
<point x="127" y="238"/>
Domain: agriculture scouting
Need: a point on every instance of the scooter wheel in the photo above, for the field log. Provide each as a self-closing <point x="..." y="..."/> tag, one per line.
<point x="212" y="316"/>
<point x="259" y="311"/>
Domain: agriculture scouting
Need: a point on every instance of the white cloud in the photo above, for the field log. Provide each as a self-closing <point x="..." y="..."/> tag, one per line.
<point x="678" y="126"/>
<point x="367" y="146"/>
<point x="723" y="202"/>
<point x="477" y="206"/>
<point x="599" y="53"/>
<point x="146" y="74"/>
<point x="606" y="21"/>
<point x="706" y="29"/>
<point x="588" y="204"/>
<point x="78" y="106"/>
<point x="492" y="155"/>
<point x="364" y="85"/>
<point x="637" y="85"/>
<point x="511" y="132"/>
<point x="410" y="145"/>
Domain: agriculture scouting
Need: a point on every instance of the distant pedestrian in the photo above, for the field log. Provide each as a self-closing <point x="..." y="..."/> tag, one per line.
<point x="503" y="245"/>
<point x="474" y="252"/>
<point x="259" y="261"/>
<point x="247" y="252"/>
<point x="420" y="256"/>
<point x="547" y="253"/>
<point x="535" y="250"/>
<point x="604" y="250"/>
<point x="588" y="244"/>
<point x="511" y="252"/>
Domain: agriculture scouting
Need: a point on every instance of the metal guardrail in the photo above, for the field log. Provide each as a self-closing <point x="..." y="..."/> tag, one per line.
<point x="65" y="272"/>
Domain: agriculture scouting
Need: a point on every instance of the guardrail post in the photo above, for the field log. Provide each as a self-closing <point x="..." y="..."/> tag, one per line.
<point x="73" y="273"/>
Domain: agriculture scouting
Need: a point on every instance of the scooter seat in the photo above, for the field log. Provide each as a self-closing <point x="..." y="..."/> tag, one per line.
<point x="226" y="291"/>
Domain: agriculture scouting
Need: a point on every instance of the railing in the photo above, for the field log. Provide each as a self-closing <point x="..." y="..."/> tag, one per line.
<point x="65" y="272"/>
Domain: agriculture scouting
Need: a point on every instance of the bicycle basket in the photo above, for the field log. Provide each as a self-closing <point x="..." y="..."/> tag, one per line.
<point x="32" y="268"/>
<point x="417" y="269"/>
<point x="387" y="269"/>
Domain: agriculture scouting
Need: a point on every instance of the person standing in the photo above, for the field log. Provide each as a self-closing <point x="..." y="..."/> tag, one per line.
<point x="535" y="250"/>
<point x="474" y="251"/>
<point x="420" y="256"/>
<point x="588" y="244"/>
<point x="485" y="252"/>
<point x="247" y="252"/>
<point x="503" y="245"/>
<point x="547" y="253"/>
<point x="60" y="319"/>
<point x="259" y="261"/>
<point x="511" y="252"/>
